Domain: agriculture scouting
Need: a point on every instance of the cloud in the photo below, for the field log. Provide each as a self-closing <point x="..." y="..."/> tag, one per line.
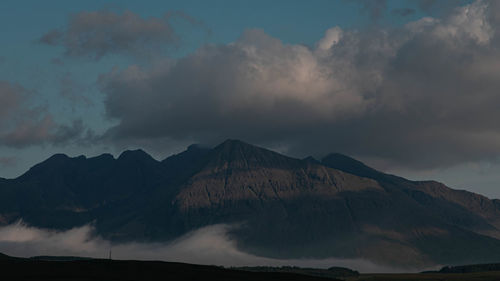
<point x="332" y="37"/>
<point x="97" y="34"/>
<point x="209" y="245"/>
<point x="220" y="87"/>
<point x="420" y="96"/>
<point x="23" y="124"/>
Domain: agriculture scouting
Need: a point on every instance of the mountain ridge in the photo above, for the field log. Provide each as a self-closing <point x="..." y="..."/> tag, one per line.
<point x="285" y="207"/>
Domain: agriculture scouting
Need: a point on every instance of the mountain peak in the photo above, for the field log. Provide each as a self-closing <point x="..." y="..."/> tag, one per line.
<point x="57" y="157"/>
<point x="311" y="159"/>
<point x="136" y="154"/>
<point x="234" y="142"/>
<point x="240" y="154"/>
<point x="53" y="164"/>
<point x="235" y="148"/>
<point x="104" y="156"/>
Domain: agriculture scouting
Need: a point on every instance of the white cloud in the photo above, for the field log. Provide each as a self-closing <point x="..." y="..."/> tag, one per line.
<point x="332" y="37"/>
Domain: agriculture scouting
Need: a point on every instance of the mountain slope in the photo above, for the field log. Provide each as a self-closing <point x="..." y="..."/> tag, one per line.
<point x="466" y="206"/>
<point x="280" y="206"/>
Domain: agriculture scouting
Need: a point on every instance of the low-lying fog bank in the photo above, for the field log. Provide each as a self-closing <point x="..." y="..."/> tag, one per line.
<point x="208" y="245"/>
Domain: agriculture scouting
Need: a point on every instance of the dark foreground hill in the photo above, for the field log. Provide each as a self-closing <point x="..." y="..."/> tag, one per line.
<point x="112" y="270"/>
<point x="283" y="207"/>
<point x="82" y="269"/>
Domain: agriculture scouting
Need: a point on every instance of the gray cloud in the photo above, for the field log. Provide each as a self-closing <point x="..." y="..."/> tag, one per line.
<point x="99" y="33"/>
<point x="420" y="96"/>
<point x="22" y="124"/>
<point x="209" y="245"/>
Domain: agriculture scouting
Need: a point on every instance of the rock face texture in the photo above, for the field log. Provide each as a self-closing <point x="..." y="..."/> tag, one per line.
<point x="279" y="206"/>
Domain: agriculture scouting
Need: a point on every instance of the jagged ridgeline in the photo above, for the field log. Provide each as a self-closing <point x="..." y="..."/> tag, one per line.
<point x="281" y="206"/>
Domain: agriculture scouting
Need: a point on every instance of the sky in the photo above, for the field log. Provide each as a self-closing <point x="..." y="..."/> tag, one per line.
<point x="409" y="87"/>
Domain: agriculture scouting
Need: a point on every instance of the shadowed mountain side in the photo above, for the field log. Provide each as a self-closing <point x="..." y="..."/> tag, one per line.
<point x="457" y="205"/>
<point x="282" y="207"/>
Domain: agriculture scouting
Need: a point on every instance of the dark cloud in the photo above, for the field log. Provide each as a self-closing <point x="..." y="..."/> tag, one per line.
<point x="22" y="124"/>
<point x="421" y="96"/>
<point x="99" y="33"/>
<point x="403" y="12"/>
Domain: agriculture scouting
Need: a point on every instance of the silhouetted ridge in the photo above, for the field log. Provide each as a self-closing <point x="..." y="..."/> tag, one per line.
<point x="311" y="159"/>
<point x="193" y="153"/>
<point x="137" y="155"/>
<point x="103" y="157"/>
<point x="196" y="147"/>
<point x="180" y="166"/>
<point x="347" y="164"/>
<point x="57" y="163"/>
<point x="352" y="166"/>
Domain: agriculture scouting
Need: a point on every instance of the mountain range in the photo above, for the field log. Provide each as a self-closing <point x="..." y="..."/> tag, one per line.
<point x="279" y="206"/>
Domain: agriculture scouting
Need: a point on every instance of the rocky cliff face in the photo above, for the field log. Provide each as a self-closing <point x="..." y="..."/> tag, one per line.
<point x="239" y="172"/>
<point x="280" y="206"/>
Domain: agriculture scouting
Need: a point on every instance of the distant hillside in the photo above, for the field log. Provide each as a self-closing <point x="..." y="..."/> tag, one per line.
<point x="471" y="268"/>
<point x="332" y="272"/>
<point x="284" y="207"/>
